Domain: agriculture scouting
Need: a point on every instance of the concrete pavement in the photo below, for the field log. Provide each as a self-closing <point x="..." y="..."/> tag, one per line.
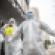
<point x="51" y="51"/>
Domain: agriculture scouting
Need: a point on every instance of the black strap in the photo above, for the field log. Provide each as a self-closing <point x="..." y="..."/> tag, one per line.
<point x="3" y="48"/>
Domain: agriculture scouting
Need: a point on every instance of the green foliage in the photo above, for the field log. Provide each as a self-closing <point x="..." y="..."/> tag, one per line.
<point x="6" y="17"/>
<point x="47" y="43"/>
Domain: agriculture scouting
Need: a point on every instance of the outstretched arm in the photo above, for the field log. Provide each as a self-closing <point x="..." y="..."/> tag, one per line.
<point x="46" y="28"/>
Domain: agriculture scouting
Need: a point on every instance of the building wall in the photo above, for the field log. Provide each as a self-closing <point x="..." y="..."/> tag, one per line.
<point x="23" y="4"/>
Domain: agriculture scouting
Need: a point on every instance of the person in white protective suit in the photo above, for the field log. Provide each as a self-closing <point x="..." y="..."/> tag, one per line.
<point x="13" y="42"/>
<point x="32" y="40"/>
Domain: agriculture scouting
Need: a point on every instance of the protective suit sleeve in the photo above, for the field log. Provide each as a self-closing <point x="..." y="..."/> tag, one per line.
<point x="46" y="28"/>
<point x="21" y="26"/>
<point x="4" y="27"/>
<point x="1" y="38"/>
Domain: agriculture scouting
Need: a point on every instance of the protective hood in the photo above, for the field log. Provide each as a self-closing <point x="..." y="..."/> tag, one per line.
<point x="12" y="21"/>
<point x="29" y="15"/>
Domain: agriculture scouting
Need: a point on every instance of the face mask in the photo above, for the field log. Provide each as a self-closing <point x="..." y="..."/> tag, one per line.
<point x="29" y="15"/>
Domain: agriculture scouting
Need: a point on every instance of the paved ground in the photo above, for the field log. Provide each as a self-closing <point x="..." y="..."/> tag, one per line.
<point x="51" y="51"/>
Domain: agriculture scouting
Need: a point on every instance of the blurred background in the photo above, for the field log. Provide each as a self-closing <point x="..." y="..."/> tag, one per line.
<point x="45" y="10"/>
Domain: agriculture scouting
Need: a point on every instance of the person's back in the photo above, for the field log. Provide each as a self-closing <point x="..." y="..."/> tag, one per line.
<point x="8" y="31"/>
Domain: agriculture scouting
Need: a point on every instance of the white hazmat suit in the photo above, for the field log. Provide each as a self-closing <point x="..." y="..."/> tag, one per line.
<point x="13" y="43"/>
<point x="32" y="40"/>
